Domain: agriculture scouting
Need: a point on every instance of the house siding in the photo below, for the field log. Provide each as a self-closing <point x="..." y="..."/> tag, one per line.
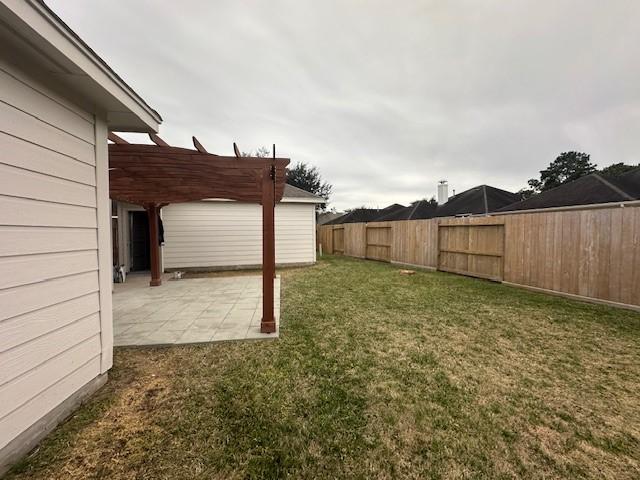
<point x="229" y="234"/>
<point x="55" y="289"/>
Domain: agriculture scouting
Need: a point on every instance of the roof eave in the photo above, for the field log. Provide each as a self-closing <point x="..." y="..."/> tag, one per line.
<point x="43" y="33"/>
<point x="303" y="200"/>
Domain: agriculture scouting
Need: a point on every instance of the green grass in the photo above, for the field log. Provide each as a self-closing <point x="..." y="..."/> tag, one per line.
<point x="376" y="375"/>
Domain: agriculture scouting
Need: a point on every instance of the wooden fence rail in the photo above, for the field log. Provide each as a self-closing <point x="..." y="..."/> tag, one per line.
<point x="593" y="254"/>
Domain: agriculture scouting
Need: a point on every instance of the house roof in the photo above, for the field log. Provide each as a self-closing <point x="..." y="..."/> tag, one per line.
<point x="587" y="190"/>
<point x="360" y="215"/>
<point x="295" y="194"/>
<point x="357" y="215"/>
<point x="628" y="182"/>
<point x="478" y="200"/>
<point x="37" y="39"/>
<point x="326" y="217"/>
<point x="419" y="210"/>
<point x="394" y="207"/>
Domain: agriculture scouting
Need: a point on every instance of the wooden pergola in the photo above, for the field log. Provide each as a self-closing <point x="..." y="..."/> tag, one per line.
<point x="154" y="176"/>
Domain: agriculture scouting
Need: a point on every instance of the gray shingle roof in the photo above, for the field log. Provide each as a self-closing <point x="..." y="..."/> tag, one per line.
<point x="482" y="199"/>
<point x="419" y="210"/>
<point x="587" y="190"/>
<point x="292" y="192"/>
<point x="478" y="200"/>
<point x="360" y="215"/>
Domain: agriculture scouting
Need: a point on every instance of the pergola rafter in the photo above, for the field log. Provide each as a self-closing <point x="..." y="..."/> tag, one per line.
<point x="198" y="145"/>
<point x="157" y="140"/>
<point x="154" y="176"/>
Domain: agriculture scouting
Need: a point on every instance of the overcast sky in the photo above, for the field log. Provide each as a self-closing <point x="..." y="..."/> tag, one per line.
<point x="384" y="97"/>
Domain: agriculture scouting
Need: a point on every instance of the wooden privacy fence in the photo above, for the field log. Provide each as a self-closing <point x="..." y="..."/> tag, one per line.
<point x="378" y="238"/>
<point x="592" y="253"/>
<point x="472" y="248"/>
<point x="338" y="240"/>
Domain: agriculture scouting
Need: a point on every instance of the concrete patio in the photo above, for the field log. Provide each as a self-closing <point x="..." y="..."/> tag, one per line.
<point x="190" y="310"/>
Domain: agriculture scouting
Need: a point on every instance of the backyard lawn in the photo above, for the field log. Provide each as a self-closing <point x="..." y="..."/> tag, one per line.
<point x="375" y="375"/>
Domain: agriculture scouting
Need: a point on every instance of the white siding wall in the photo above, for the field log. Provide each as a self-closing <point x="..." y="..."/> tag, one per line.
<point x="54" y="335"/>
<point x="222" y="234"/>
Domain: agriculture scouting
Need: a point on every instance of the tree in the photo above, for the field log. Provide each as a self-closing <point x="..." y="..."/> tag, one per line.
<point x="431" y="201"/>
<point x="261" y="152"/>
<point x="308" y="178"/>
<point x="525" y="193"/>
<point x="617" y="169"/>
<point x="568" y="166"/>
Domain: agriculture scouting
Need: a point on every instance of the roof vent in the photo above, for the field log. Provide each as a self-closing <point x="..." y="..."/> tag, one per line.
<point x="443" y="192"/>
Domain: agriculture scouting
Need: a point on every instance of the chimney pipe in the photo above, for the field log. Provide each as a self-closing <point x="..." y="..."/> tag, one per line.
<point x="443" y="192"/>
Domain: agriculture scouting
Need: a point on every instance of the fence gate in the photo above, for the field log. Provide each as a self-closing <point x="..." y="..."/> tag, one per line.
<point x="378" y="239"/>
<point x="338" y="240"/>
<point x="473" y="247"/>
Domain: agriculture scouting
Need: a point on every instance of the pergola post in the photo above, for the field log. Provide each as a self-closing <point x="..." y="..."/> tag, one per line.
<point x="268" y="324"/>
<point x="154" y="245"/>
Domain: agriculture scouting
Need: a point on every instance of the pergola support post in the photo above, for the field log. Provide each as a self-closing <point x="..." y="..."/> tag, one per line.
<point x="154" y="245"/>
<point x="268" y="324"/>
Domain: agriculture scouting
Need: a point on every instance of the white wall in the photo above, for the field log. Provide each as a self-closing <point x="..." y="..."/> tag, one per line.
<point x="228" y="234"/>
<point x="55" y="267"/>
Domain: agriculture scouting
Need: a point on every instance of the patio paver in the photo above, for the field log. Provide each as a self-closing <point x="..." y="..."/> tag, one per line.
<point x="190" y="310"/>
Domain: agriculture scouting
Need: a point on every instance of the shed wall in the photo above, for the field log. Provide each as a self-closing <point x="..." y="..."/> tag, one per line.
<point x="229" y="234"/>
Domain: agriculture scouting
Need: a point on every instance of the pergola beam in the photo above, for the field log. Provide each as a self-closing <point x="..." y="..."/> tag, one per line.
<point x="146" y="174"/>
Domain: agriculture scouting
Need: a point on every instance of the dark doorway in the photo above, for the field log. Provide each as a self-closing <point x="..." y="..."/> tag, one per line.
<point x="140" y="257"/>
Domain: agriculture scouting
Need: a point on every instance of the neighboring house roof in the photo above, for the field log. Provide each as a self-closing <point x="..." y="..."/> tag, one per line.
<point x="478" y="200"/>
<point x="326" y="217"/>
<point x="295" y="194"/>
<point x="394" y="207"/>
<point x="360" y="215"/>
<point x="419" y="210"/>
<point x="587" y="190"/>
<point x="628" y="182"/>
<point x="357" y="215"/>
<point x="36" y="36"/>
